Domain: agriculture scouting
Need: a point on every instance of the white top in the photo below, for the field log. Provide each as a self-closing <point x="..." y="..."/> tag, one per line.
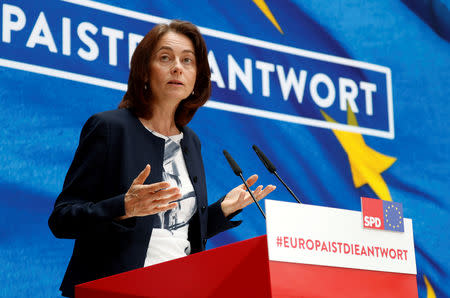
<point x="169" y="238"/>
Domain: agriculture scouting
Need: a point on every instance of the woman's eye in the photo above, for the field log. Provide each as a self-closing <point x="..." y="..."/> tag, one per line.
<point x="164" y="58"/>
<point x="187" y="60"/>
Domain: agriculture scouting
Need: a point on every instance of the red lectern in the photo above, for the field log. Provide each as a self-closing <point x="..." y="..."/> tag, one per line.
<point x="244" y="269"/>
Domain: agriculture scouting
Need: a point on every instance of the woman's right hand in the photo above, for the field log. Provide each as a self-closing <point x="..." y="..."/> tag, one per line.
<point x="146" y="199"/>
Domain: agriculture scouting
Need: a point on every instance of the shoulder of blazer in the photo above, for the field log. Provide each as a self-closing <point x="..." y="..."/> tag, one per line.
<point x="118" y="117"/>
<point x="120" y="121"/>
<point x="124" y="118"/>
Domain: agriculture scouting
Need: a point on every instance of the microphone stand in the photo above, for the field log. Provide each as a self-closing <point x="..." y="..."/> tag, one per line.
<point x="238" y="172"/>
<point x="251" y="193"/>
<point x="287" y="187"/>
<point x="271" y="168"/>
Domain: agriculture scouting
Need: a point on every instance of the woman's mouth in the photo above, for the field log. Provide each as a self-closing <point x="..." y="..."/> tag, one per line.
<point x="175" y="82"/>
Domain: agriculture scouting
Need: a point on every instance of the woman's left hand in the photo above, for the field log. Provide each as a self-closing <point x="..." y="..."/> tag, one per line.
<point x="238" y="198"/>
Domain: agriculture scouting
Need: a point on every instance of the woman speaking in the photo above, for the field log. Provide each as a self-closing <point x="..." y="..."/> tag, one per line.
<point x="135" y="193"/>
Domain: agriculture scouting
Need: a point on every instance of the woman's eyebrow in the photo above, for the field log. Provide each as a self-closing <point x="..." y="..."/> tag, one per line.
<point x="170" y="49"/>
<point x="164" y="48"/>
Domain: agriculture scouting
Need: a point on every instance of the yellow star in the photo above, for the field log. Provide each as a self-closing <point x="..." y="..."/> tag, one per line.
<point x="366" y="164"/>
<point x="430" y="290"/>
<point x="265" y="9"/>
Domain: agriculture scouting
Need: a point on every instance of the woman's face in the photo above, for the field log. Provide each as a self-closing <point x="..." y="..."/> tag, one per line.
<point x="173" y="68"/>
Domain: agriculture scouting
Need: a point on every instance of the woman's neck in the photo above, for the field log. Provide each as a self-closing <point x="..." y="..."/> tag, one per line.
<point x="162" y="120"/>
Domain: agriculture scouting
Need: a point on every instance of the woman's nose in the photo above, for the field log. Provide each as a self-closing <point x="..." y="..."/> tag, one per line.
<point x="176" y="67"/>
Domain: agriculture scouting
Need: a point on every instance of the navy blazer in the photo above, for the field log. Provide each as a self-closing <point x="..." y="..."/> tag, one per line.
<point x="114" y="148"/>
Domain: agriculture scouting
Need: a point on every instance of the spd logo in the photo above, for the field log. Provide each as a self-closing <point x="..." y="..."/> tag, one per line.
<point x="372" y="213"/>
<point x="382" y="215"/>
<point x="372" y="222"/>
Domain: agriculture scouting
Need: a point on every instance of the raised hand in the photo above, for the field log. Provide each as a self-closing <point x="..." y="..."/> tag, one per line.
<point x="146" y="199"/>
<point x="238" y="198"/>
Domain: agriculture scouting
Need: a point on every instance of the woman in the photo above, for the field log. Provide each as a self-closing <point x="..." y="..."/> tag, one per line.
<point x="135" y="194"/>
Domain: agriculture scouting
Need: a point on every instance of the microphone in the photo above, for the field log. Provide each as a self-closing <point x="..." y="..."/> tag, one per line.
<point x="237" y="170"/>
<point x="271" y="168"/>
<point x="234" y="166"/>
<point x="267" y="163"/>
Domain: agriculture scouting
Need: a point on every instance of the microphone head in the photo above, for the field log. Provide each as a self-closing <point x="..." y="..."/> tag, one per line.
<point x="236" y="169"/>
<point x="267" y="163"/>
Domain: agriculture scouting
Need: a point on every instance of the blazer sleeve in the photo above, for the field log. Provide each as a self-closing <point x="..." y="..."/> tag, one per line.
<point x="217" y="222"/>
<point x="80" y="208"/>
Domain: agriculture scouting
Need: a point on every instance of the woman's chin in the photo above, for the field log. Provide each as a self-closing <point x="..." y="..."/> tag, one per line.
<point x="176" y="95"/>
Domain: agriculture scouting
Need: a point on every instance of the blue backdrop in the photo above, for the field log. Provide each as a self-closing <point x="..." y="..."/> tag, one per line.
<point x="288" y="76"/>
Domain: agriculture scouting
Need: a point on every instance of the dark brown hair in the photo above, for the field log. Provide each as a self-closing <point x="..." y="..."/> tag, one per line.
<point x="138" y="97"/>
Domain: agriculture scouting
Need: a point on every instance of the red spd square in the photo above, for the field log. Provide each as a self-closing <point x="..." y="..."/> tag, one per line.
<point x="372" y="212"/>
